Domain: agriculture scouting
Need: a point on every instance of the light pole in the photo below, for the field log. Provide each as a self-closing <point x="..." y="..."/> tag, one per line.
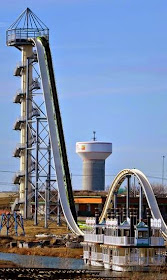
<point x="163" y="163"/>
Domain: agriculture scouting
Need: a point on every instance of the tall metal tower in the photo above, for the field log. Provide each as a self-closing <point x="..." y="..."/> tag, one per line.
<point x="36" y="177"/>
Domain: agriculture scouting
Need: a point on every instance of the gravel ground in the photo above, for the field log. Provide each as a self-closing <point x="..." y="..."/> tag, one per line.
<point x="50" y="274"/>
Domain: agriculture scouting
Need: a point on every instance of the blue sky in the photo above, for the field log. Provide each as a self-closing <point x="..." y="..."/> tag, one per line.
<point x="110" y="61"/>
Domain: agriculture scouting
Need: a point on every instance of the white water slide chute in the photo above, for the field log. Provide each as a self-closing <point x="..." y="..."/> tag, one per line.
<point x="47" y="91"/>
<point x="149" y="194"/>
<point x="57" y="156"/>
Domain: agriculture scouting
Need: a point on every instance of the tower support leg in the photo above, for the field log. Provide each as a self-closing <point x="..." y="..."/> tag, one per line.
<point x="37" y="174"/>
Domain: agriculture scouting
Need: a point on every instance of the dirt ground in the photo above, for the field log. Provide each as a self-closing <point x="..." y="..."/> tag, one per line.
<point x="30" y="235"/>
<point x="6" y="264"/>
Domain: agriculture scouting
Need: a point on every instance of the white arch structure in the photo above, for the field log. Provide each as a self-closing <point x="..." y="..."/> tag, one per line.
<point x="151" y="200"/>
<point x="47" y="91"/>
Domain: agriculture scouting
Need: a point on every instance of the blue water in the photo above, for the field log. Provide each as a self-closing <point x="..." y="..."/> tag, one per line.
<point x="53" y="262"/>
<point x="43" y="262"/>
<point x="65" y="263"/>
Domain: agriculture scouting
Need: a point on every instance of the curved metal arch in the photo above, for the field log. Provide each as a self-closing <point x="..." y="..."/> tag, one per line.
<point x="118" y="180"/>
<point x="151" y="200"/>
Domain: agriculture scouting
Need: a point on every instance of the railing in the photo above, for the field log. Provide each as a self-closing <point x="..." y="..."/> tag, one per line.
<point x="16" y="35"/>
<point x="143" y="261"/>
<point x="119" y="240"/>
<point x="86" y="255"/>
<point x="97" y="238"/>
<point x="133" y="259"/>
<point x="119" y="260"/>
<point x="96" y="256"/>
<point x="156" y="241"/>
<point x="127" y="241"/>
<point x="137" y="260"/>
<point x="106" y="258"/>
<point x="157" y="260"/>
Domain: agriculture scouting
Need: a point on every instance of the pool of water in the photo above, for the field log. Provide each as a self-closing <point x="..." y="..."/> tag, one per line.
<point x="53" y="262"/>
<point x="68" y="263"/>
<point x="43" y="261"/>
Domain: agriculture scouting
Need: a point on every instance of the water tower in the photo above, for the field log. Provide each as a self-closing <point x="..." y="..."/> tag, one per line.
<point x="93" y="154"/>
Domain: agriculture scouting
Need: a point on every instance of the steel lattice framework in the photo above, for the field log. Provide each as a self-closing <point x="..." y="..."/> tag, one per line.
<point x="41" y="175"/>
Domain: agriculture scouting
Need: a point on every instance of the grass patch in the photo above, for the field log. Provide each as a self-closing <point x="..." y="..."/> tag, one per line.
<point x="61" y="252"/>
<point x="6" y="264"/>
<point x="31" y="231"/>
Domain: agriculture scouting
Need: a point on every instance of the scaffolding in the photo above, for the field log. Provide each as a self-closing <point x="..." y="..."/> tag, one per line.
<point x="12" y="223"/>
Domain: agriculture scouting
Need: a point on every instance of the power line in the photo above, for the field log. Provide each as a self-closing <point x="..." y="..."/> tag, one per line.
<point x="155" y="177"/>
<point x="73" y="175"/>
<point x="7" y="183"/>
<point x="80" y="175"/>
<point x="7" y="171"/>
<point x="114" y="175"/>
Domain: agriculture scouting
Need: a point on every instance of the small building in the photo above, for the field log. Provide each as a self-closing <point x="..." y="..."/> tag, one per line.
<point x="87" y="201"/>
<point x="130" y="245"/>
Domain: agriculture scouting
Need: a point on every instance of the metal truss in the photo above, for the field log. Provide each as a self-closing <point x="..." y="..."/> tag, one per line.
<point x="12" y="223"/>
<point x="40" y="176"/>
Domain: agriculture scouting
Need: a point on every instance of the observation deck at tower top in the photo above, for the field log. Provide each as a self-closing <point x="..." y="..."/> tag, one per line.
<point x="27" y="26"/>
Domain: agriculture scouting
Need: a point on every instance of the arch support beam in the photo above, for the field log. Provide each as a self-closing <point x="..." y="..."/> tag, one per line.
<point x="146" y="189"/>
<point x="141" y="204"/>
<point x="128" y="196"/>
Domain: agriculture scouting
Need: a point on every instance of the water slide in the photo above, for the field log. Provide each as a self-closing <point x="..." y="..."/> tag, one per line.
<point x="56" y="133"/>
<point x="149" y="194"/>
<point x="59" y="149"/>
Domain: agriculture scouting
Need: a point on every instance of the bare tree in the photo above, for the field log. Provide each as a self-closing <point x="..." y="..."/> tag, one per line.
<point x="159" y="190"/>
